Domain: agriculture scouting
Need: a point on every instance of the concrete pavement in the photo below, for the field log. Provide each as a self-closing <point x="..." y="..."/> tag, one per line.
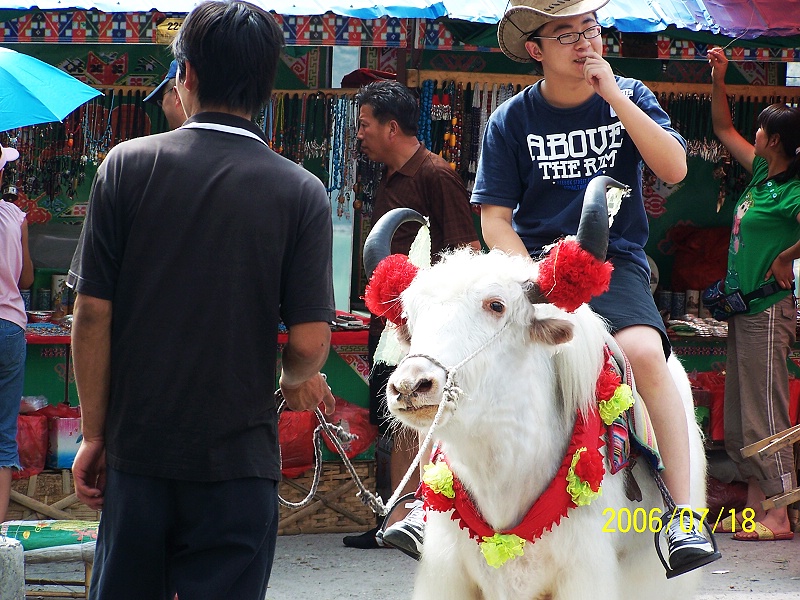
<point x="319" y="567"/>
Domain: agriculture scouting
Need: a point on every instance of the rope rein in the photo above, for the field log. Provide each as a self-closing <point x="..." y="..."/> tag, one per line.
<point x="338" y="436"/>
<point x="451" y="393"/>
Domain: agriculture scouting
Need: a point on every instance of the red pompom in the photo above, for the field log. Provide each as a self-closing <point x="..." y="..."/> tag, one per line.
<point x="589" y="468"/>
<point x="382" y="294"/>
<point x="607" y="383"/>
<point x="434" y="501"/>
<point x="570" y="276"/>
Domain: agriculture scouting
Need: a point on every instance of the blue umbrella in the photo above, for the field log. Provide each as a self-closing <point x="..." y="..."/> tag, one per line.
<point x="32" y="92"/>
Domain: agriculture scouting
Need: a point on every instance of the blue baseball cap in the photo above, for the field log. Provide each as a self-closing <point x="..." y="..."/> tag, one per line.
<point x="172" y="73"/>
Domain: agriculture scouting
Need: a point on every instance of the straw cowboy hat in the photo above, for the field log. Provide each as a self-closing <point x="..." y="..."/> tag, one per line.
<point x="526" y="16"/>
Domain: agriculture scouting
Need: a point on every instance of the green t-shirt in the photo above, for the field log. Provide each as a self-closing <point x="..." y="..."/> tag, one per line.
<point x="764" y="225"/>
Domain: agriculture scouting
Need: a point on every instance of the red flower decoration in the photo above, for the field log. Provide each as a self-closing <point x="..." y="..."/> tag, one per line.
<point x="589" y="468"/>
<point x="607" y="383"/>
<point x="434" y="501"/>
<point x="390" y="278"/>
<point x="570" y="276"/>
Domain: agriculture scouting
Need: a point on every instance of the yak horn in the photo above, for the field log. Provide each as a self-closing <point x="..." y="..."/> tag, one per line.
<point x="379" y="241"/>
<point x="593" y="229"/>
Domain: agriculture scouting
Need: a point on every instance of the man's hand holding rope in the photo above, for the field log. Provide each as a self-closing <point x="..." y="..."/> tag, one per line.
<point x="309" y="394"/>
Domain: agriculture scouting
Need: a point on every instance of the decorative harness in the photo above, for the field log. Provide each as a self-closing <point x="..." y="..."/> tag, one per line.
<point x="579" y="477"/>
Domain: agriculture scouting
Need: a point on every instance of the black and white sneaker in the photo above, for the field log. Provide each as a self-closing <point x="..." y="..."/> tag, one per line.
<point x="407" y="534"/>
<point x="688" y="547"/>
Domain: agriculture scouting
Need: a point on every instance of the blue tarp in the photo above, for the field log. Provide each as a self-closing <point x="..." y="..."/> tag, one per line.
<point x="746" y="18"/>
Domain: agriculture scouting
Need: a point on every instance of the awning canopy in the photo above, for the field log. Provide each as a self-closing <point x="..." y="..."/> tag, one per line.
<point x="733" y="18"/>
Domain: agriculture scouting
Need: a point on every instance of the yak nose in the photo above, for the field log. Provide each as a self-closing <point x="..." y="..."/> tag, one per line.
<point x="413" y="377"/>
<point x="411" y="387"/>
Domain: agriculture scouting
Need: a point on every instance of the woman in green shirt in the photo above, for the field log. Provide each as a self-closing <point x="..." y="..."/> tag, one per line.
<point x="764" y="244"/>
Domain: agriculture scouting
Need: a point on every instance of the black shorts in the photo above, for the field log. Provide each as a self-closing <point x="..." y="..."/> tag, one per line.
<point x="629" y="301"/>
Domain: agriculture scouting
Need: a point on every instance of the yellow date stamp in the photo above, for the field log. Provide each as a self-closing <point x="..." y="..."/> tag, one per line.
<point x="640" y="520"/>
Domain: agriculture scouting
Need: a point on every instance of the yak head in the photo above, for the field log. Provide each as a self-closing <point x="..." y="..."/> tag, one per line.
<point x="472" y="319"/>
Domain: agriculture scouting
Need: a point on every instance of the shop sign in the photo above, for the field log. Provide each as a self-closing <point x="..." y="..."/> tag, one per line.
<point x="167" y="29"/>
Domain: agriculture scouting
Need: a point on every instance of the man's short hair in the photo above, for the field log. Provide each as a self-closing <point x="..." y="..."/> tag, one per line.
<point x="234" y="48"/>
<point x="391" y="100"/>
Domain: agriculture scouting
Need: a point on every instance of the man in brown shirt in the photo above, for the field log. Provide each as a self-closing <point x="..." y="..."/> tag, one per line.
<point x="413" y="177"/>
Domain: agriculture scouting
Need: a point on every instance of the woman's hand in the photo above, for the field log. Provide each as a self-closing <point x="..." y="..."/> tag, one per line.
<point x="781" y="269"/>
<point x="719" y="64"/>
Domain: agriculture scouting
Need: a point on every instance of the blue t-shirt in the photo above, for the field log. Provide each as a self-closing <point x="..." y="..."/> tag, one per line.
<point x="538" y="160"/>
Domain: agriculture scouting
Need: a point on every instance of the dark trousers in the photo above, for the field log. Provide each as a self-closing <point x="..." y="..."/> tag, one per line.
<point x="201" y="540"/>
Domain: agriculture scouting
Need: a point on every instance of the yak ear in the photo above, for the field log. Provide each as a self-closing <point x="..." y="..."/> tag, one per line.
<point x="551" y="331"/>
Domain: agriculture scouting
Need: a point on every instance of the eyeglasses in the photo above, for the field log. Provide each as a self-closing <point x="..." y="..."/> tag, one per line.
<point x="160" y="101"/>
<point x="572" y="37"/>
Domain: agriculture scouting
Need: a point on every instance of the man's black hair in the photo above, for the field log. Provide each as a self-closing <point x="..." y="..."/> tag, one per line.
<point x="234" y="48"/>
<point x="391" y="100"/>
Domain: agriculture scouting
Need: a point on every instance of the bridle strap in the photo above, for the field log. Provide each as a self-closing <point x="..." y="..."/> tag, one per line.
<point x="450" y="395"/>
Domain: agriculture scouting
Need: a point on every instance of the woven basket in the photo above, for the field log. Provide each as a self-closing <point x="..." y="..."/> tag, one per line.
<point x="51" y="492"/>
<point x="335" y="508"/>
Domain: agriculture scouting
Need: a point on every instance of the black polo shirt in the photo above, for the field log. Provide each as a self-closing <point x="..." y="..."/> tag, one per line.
<point x="203" y="240"/>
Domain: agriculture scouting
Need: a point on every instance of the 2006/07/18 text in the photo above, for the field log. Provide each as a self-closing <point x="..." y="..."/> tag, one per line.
<point x="640" y="520"/>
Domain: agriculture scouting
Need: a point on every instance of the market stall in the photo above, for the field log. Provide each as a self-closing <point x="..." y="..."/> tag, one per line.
<point x="447" y="50"/>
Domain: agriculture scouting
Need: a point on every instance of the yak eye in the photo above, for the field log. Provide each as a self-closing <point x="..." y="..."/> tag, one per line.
<point x="494" y="305"/>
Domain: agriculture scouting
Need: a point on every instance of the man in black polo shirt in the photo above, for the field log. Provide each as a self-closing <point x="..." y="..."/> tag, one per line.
<point x="196" y="244"/>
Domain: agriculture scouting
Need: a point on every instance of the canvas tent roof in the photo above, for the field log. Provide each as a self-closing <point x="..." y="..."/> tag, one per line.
<point x="745" y="18"/>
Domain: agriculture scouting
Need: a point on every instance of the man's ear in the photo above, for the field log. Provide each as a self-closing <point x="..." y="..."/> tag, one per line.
<point x="189" y="80"/>
<point x="534" y="50"/>
<point x="394" y="128"/>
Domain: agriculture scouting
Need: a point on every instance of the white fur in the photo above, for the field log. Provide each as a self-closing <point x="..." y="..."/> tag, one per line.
<point x="509" y="433"/>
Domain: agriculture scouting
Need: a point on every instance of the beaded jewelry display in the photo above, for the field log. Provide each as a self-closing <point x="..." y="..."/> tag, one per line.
<point x="337" y="143"/>
<point x="315" y="148"/>
<point x="425" y="116"/>
<point x="96" y="134"/>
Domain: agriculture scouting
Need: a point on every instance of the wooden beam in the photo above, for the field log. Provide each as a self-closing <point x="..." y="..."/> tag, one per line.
<point x="781" y="500"/>
<point x="417" y="76"/>
<point x="40" y="507"/>
<point x="770" y="445"/>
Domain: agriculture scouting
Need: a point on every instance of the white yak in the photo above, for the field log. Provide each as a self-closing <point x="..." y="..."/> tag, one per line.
<point x="521" y="371"/>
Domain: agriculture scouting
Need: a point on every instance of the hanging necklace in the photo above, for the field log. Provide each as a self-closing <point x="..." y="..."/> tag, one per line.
<point x="97" y="146"/>
<point x="277" y="136"/>
<point x="425" y="113"/>
<point x="313" y="148"/>
<point x="336" y="145"/>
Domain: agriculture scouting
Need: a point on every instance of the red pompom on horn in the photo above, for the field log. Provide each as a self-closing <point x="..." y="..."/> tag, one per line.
<point x="382" y="294"/>
<point x="570" y="276"/>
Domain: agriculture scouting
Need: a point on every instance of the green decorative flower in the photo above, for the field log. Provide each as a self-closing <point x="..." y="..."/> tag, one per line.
<point x="580" y="490"/>
<point x="612" y="408"/>
<point x="439" y="478"/>
<point x="500" y="548"/>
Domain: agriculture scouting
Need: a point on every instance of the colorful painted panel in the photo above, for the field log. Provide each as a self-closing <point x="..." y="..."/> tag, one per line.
<point x="91" y="26"/>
